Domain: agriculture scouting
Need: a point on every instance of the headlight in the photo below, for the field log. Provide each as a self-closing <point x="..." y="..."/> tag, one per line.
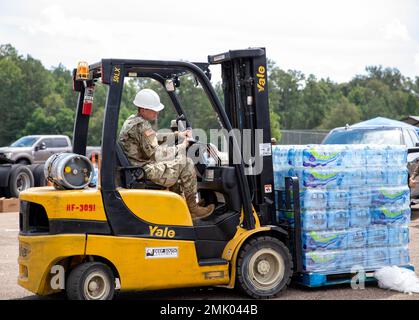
<point x="8" y="154"/>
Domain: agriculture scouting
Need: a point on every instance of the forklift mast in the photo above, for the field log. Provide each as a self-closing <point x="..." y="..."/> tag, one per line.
<point x="245" y="85"/>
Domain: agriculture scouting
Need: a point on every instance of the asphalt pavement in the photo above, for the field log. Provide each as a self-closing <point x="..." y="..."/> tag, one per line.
<point x="9" y="289"/>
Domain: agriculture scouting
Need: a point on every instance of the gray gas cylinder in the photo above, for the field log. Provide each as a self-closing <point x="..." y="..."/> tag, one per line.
<point x="69" y="171"/>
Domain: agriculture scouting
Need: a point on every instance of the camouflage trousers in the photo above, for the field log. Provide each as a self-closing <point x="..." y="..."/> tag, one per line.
<point x="178" y="175"/>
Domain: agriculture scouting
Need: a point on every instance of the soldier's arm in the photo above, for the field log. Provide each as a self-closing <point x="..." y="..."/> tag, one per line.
<point x="152" y="148"/>
<point x="169" y="137"/>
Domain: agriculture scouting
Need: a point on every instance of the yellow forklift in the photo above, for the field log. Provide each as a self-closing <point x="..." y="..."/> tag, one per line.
<point x="129" y="234"/>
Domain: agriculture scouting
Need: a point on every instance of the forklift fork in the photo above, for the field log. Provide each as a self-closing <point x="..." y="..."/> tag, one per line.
<point x="289" y="201"/>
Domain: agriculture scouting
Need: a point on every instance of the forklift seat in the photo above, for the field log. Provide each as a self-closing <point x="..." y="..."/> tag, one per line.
<point x="133" y="177"/>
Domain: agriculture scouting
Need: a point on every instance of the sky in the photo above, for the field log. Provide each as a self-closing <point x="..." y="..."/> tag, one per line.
<point x="328" y="38"/>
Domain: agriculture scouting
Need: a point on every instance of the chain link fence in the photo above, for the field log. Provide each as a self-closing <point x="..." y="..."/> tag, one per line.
<point x="302" y="136"/>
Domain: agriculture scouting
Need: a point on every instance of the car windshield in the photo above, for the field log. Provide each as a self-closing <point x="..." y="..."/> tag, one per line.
<point x="364" y="136"/>
<point x="24" y="142"/>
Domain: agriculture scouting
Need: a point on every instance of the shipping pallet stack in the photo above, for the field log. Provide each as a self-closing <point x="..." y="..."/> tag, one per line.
<point x="354" y="212"/>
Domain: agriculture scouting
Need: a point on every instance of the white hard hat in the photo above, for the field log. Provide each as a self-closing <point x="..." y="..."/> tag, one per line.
<point x="148" y="99"/>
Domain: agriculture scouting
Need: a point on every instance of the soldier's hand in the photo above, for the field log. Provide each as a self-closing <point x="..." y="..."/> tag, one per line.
<point x="412" y="183"/>
<point x="185" y="142"/>
<point x="185" y="134"/>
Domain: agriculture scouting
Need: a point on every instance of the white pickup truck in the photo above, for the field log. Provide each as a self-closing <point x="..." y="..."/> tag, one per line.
<point x="22" y="163"/>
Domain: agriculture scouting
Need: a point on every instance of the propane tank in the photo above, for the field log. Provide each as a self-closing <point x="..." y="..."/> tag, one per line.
<point x="68" y="171"/>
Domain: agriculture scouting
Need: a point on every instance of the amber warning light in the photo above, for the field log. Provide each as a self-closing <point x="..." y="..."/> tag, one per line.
<point x="82" y="72"/>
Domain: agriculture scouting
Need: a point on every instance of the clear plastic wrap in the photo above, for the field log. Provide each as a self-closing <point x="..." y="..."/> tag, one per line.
<point x="355" y="204"/>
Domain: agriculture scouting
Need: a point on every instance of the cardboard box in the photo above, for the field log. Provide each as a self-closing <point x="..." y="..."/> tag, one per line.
<point x="9" y="205"/>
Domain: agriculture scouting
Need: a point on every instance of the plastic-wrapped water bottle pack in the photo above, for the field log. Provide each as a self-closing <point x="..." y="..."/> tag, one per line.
<point x="355" y="204"/>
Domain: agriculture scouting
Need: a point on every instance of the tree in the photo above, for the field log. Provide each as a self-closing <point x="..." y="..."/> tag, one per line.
<point x="341" y="112"/>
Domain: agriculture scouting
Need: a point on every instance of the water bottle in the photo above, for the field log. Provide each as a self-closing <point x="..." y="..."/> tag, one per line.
<point x="321" y="178"/>
<point x="322" y="156"/>
<point x="376" y="176"/>
<point x="377" y="257"/>
<point x="399" y="256"/>
<point x="276" y="158"/>
<point x="396" y="155"/>
<point x="325" y="240"/>
<point x="346" y="177"/>
<point x="355" y="156"/>
<point x="323" y="261"/>
<point x="398" y="235"/>
<point x="354" y="257"/>
<point x="314" y="199"/>
<point x="279" y="179"/>
<point x="338" y="218"/>
<point x="358" y="177"/>
<point x="377" y="236"/>
<point x="376" y="155"/>
<point x="280" y="157"/>
<point x="360" y="197"/>
<point x="357" y="237"/>
<point x="391" y="215"/>
<point x="295" y="155"/>
<point x="390" y="196"/>
<point x="314" y="219"/>
<point x="359" y="216"/>
<point x="397" y="176"/>
<point x="338" y="198"/>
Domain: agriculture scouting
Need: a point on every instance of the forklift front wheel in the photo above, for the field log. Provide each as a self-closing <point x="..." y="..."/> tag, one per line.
<point x="264" y="267"/>
<point x="91" y="281"/>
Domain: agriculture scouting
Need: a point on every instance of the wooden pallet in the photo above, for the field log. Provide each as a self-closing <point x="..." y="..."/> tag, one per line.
<point x="9" y="205"/>
<point x="316" y="279"/>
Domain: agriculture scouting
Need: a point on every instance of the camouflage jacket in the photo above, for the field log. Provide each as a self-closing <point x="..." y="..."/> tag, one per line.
<point x="141" y="143"/>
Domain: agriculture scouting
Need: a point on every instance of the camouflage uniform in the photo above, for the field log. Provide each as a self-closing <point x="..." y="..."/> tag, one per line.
<point x="165" y="165"/>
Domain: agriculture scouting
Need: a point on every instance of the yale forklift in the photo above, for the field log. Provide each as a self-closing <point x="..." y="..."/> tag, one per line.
<point x="130" y="234"/>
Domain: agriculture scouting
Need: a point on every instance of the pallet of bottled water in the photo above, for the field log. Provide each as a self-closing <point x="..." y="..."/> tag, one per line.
<point x="355" y="204"/>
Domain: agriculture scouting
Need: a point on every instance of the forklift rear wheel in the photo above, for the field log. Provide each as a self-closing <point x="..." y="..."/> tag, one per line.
<point x="91" y="281"/>
<point x="264" y="267"/>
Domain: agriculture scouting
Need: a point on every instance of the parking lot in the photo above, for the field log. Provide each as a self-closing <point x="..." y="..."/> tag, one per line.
<point x="9" y="228"/>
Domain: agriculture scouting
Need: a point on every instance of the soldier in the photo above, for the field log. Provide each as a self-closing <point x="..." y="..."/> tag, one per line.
<point x="163" y="164"/>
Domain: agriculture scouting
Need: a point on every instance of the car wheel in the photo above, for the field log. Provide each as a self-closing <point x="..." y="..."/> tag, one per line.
<point x="38" y="175"/>
<point x="21" y="179"/>
<point x="91" y="281"/>
<point x="264" y="267"/>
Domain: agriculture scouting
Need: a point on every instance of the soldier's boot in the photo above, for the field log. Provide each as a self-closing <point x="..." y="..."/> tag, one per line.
<point x="197" y="211"/>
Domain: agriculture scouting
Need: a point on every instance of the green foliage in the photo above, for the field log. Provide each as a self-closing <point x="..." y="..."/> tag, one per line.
<point x="34" y="100"/>
<point x="342" y="112"/>
<point x="308" y="103"/>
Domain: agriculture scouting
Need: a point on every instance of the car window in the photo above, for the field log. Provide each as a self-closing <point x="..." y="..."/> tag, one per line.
<point x="60" y="143"/>
<point x="407" y="139"/>
<point x="414" y="136"/>
<point x="24" y="142"/>
<point x="364" y="136"/>
<point x="49" y="143"/>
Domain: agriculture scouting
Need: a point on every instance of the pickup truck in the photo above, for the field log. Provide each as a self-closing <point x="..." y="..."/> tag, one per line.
<point x="22" y="163"/>
<point x="38" y="148"/>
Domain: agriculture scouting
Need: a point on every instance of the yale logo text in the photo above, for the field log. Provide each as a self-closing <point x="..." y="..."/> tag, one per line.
<point x="261" y="78"/>
<point x="161" y="232"/>
<point x="116" y="74"/>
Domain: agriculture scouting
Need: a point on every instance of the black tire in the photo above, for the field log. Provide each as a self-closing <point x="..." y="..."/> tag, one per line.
<point x="252" y="268"/>
<point x="38" y="175"/>
<point x="21" y="178"/>
<point x="79" y="280"/>
<point x="23" y="162"/>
